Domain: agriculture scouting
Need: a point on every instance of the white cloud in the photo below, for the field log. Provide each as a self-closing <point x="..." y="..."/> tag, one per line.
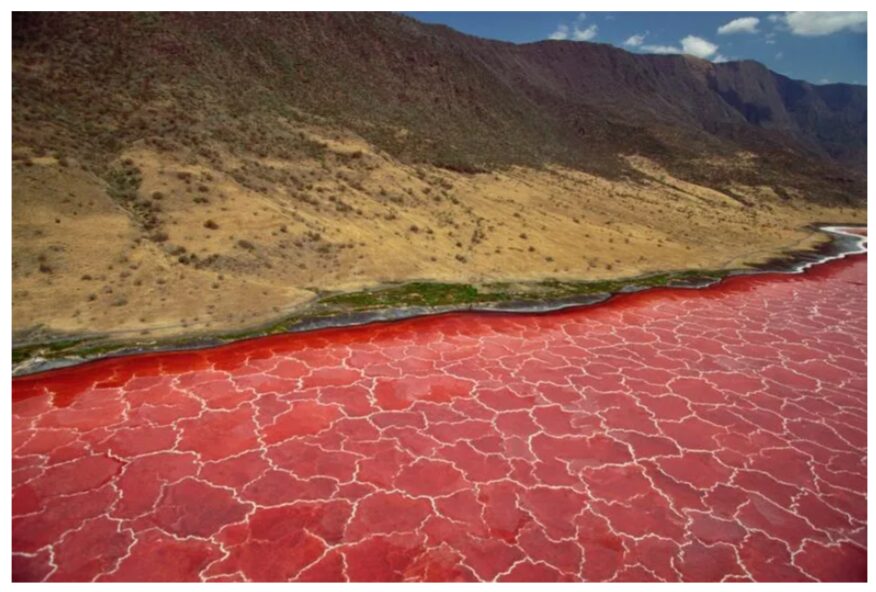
<point x="780" y="55"/>
<point x="635" y="40"/>
<point x="662" y="49"/>
<point x="815" y="24"/>
<point x="746" y="24"/>
<point x="585" y="34"/>
<point x="561" y="33"/>
<point x="824" y="81"/>
<point x="575" y="33"/>
<point x="582" y="16"/>
<point x="697" y="46"/>
<point x="691" y="45"/>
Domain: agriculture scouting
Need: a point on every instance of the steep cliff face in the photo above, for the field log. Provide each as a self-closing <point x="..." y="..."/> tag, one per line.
<point x="428" y="94"/>
<point x="830" y="121"/>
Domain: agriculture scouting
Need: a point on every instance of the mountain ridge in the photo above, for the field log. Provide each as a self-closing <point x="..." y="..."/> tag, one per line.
<point x="472" y="103"/>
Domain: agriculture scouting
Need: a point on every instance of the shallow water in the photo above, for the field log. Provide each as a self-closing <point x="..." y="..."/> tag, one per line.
<point x="714" y="434"/>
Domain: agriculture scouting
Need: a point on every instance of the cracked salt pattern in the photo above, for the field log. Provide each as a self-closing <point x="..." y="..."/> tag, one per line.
<point x="694" y="435"/>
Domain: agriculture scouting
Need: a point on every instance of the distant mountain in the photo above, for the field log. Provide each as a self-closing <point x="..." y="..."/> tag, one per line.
<point x="90" y="84"/>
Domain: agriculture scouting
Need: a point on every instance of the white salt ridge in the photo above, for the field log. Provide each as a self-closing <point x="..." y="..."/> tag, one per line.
<point x="850" y="243"/>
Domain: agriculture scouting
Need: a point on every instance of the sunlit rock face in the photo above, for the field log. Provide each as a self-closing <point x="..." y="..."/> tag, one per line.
<point x="699" y="435"/>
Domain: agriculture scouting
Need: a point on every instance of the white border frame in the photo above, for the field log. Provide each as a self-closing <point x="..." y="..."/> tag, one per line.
<point x="348" y="5"/>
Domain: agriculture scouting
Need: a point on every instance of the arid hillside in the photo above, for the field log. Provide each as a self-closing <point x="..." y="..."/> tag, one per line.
<point x="182" y="173"/>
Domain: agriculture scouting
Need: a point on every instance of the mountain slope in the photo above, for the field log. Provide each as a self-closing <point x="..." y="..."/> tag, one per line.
<point x="430" y="94"/>
<point x="182" y="173"/>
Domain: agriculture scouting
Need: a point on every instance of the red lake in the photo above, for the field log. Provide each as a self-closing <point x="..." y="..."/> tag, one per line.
<point x="714" y="434"/>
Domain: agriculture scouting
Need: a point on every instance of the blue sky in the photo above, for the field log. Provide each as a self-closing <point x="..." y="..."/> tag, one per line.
<point x="821" y="47"/>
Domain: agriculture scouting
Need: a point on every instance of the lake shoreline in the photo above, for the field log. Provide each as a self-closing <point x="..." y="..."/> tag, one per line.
<point x="363" y="308"/>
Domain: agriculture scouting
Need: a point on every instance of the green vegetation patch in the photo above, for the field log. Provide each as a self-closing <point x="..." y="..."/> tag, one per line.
<point x="413" y="294"/>
<point x="47" y="350"/>
<point x="441" y="294"/>
<point x="123" y="183"/>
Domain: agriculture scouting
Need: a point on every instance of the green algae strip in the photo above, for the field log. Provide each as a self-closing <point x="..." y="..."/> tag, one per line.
<point x="411" y="294"/>
<point x="393" y="297"/>
<point x="439" y="294"/>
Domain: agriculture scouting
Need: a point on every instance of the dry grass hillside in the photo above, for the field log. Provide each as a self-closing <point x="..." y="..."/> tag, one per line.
<point x="173" y="245"/>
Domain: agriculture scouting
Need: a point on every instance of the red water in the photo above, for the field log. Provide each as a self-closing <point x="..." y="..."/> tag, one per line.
<point x="715" y="434"/>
